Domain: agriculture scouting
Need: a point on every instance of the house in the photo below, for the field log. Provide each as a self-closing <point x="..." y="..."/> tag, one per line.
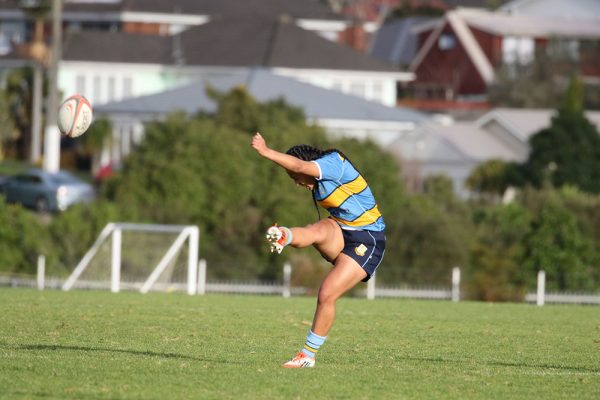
<point x="111" y="66"/>
<point x="514" y="127"/>
<point x="452" y="150"/>
<point x="577" y="10"/>
<point x="159" y="17"/>
<point x="339" y="114"/>
<point x="455" y="148"/>
<point x="370" y="17"/>
<point x="395" y="42"/>
<point x="459" y="54"/>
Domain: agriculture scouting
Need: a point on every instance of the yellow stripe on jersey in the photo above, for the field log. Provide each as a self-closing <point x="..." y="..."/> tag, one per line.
<point x="367" y="218"/>
<point x="341" y="194"/>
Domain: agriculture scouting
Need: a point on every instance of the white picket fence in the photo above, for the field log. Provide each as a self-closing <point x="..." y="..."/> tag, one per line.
<point x="284" y="288"/>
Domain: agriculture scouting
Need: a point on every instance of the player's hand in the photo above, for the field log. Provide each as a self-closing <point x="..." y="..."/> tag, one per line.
<point x="259" y="144"/>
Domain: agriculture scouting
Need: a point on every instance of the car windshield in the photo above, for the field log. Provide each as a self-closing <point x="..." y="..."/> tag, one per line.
<point x="62" y="178"/>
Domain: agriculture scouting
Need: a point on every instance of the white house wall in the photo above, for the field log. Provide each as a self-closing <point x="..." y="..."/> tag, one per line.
<point x="101" y="83"/>
<point x="379" y="87"/>
<point x="106" y="82"/>
<point x="381" y="132"/>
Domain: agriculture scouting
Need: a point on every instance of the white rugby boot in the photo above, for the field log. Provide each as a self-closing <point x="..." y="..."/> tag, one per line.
<point x="301" y="360"/>
<point x="278" y="238"/>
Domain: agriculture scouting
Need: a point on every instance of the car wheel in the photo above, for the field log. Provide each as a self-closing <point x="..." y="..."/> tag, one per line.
<point x="41" y="204"/>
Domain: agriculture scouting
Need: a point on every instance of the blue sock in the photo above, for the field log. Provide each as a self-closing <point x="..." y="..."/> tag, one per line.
<point x="313" y="342"/>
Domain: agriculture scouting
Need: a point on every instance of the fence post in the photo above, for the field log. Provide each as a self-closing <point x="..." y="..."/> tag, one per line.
<point x="201" y="287"/>
<point x="287" y="278"/>
<point x="541" y="287"/>
<point x="194" y="233"/>
<point x="371" y="288"/>
<point x="116" y="261"/>
<point x="41" y="272"/>
<point x="455" y="284"/>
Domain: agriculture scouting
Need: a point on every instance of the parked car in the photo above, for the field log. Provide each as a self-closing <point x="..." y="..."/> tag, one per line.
<point x="46" y="191"/>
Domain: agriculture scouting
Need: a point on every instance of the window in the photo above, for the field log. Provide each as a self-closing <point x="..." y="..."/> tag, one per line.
<point x="358" y="89"/>
<point x="565" y="49"/>
<point x="127" y="87"/>
<point x="97" y="91"/>
<point x="33" y="179"/>
<point x="80" y="84"/>
<point x="337" y="85"/>
<point x="377" y="91"/>
<point x="517" y="50"/>
<point x="112" y="86"/>
<point x="446" y="41"/>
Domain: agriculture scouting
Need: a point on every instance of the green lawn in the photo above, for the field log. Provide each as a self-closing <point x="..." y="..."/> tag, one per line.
<point x="91" y="344"/>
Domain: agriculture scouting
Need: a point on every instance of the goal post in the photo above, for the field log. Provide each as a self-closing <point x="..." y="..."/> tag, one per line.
<point x="116" y="230"/>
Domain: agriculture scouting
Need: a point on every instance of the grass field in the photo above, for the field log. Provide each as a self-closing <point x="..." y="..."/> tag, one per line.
<point x="98" y="345"/>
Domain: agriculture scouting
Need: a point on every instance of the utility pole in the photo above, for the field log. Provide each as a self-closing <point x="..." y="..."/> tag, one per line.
<point x="38" y="77"/>
<point x="52" y="134"/>
<point x="37" y="52"/>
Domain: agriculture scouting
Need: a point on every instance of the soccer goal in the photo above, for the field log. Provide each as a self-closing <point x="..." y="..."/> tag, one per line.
<point x="140" y="257"/>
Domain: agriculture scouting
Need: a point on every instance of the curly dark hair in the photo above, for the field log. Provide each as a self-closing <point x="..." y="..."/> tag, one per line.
<point x="307" y="152"/>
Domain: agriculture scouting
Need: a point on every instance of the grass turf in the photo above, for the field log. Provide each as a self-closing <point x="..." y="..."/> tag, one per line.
<point x="92" y="344"/>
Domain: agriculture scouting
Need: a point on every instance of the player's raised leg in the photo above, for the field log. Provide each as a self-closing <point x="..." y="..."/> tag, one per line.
<point x="325" y="236"/>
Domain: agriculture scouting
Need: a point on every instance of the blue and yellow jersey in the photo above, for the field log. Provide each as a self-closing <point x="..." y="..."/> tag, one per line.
<point x="343" y="192"/>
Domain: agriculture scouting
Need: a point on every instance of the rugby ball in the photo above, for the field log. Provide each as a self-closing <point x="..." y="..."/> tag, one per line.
<point x="74" y="116"/>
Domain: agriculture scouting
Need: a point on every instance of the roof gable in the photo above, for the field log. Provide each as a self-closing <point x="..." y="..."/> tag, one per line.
<point x="524" y="123"/>
<point x="474" y="142"/>
<point x="454" y="20"/>
<point x="459" y="142"/>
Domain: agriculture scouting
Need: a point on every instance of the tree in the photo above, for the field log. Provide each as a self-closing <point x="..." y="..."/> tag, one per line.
<point x="568" y="152"/>
<point x="564" y="220"/>
<point x="201" y="170"/>
<point x="493" y="177"/>
<point x="424" y="242"/>
<point x="22" y="239"/>
<point x="18" y="96"/>
<point x="440" y="189"/>
<point x="7" y="128"/>
<point x="556" y="245"/>
<point x="494" y="272"/>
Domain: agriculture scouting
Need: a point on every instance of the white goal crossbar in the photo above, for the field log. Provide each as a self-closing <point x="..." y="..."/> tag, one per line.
<point x="186" y="232"/>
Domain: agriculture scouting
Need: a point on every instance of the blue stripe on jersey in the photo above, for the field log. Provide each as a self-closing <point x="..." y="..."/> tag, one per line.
<point x="345" y="194"/>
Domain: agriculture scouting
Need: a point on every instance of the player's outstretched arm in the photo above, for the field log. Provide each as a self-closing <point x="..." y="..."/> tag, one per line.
<point x="290" y="163"/>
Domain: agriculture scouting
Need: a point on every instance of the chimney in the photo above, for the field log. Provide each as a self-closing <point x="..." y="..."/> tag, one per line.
<point x="354" y="36"/>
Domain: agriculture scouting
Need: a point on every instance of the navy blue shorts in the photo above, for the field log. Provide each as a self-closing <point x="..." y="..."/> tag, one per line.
<point x="366" y="248"/>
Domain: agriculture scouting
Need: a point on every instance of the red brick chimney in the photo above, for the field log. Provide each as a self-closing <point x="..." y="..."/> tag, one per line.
<point x="354" y="36"/>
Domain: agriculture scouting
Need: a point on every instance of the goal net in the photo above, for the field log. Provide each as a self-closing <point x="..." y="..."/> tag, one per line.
<point x="140" y="257"/>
